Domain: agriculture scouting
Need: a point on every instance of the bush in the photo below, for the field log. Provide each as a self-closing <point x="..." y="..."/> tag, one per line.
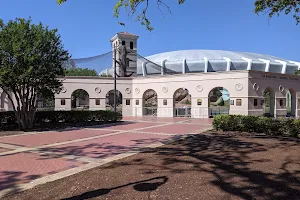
<point x="295" y="128"/>
<point x="257" y="124"/>
<point x="8" y="118"/>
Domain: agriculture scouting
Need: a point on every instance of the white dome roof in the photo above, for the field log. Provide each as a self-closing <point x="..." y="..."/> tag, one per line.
<point x="192" y="61"/>
<point x="209" y="54"/>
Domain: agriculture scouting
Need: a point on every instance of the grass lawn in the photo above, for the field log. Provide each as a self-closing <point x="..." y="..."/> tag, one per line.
<point x="207" y="166"/>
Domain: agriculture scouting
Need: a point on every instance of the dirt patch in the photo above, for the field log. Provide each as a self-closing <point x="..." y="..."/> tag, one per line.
<point x="208" y="166"/>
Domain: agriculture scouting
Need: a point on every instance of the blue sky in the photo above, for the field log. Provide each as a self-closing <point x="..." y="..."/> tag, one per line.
<point x="86" y="26"/>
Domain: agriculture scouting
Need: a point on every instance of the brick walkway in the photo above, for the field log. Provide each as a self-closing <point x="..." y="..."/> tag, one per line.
<point x="36" y="158"/>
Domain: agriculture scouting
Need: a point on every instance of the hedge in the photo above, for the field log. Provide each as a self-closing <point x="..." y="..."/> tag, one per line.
<point x="257" y="124"/>
<point x="8" y="118"/>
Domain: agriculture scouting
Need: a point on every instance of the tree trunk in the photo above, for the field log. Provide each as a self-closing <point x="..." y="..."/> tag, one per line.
<point x="24" y="109"/>
<point x="25" y="119"/>
<point x="18" y="118"/>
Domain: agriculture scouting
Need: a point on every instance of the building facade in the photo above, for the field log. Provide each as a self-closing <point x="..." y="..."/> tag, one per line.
<point x="193" y="83"/>
<point x="245" y="88"/>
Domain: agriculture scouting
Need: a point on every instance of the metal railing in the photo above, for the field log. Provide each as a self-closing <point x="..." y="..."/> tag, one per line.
<point x="119" y="109"/>
<point x="198" y="112"/>
<point x="218" y="110"/>
<point x="182" y="112"/>
<point x="149" y="111"/>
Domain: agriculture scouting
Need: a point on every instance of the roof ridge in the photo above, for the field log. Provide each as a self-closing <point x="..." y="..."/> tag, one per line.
<point x="127" y="33"/>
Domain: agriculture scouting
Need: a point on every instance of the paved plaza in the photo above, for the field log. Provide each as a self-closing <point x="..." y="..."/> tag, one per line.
<point x="35" y="158"/>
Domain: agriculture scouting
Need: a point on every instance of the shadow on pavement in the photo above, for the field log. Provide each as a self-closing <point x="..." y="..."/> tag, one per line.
<point x="142" y="186"/>
<point x="243" y="167"/>
<point x="98" y="150"/>
<point x="210" y="166"/>
<point x="11" y="179"/>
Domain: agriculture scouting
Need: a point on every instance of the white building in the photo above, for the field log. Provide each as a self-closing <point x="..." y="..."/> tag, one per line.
<point x="209" y="82"/>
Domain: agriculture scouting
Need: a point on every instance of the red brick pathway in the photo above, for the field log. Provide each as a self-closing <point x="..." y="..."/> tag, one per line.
<point x="176" y="128"/>
<point x="33" y="140"/>
<point x="41" y="154"/>
<point x="24" y="167"/>
<point x="130" y="126"/>
<point x="108" y="146"/>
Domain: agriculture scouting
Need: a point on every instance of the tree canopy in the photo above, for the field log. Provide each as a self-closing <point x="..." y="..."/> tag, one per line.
<point x="139" y="8"/>
<point x="275" y="7"/>
<point x="104" y="75"/>
<point x="81" y="72"/>
<point x="31" y="63"/>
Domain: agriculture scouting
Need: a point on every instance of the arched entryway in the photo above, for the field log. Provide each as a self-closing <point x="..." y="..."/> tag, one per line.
<point x="5" y="103"/>
<point x="110" y="100"/>
<point x="291" y="103"/>
<point x="46" y="101"/>
<point x="182" y="103"/>
<point x="150" y="103"/>
<point x="218" y="101"/>
<point x="268" y="103"/>
<point x="80" y="99"/>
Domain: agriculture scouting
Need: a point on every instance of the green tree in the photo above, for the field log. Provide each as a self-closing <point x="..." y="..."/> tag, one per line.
<point x="275" y="7"/>
<point x="81" y="72"/>
<point x="297" y="72"/>
<point x="104" y="75"/>
<point x="31" y="63"/>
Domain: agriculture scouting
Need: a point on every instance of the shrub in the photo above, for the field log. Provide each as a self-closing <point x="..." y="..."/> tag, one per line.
<point x="8" y="118"/>
<point x="295" y="128"/>
<point x="257" y="124"/>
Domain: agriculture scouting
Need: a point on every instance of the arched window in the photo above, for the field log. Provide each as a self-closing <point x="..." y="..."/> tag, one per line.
<point x="131" y="45"/>
<point x="123" y="43"/>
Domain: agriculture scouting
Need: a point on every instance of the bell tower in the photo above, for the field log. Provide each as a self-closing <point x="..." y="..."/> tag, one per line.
<point x="125" y="41"/>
